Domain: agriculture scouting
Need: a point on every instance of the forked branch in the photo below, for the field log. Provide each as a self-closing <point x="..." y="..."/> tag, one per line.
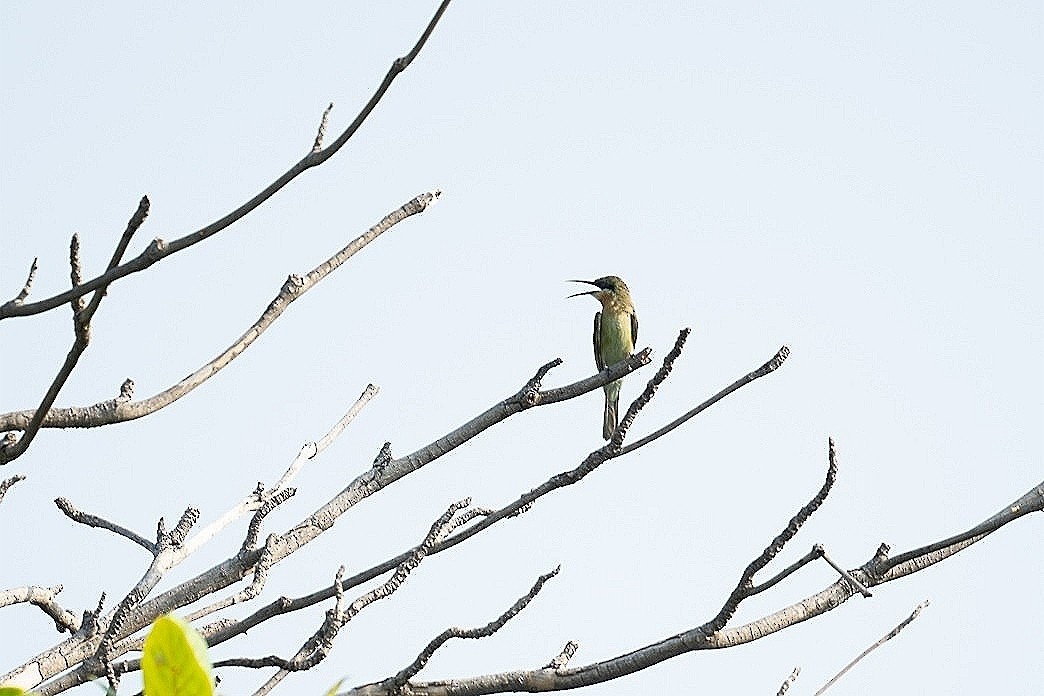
<point x="83" y="313"/>
<point x="557" y="679"/>
<point x="119" y="410"/>
<point x="159" y="249"/>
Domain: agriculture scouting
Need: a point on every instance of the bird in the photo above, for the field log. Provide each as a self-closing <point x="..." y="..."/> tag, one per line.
<point x="615" y="333"/>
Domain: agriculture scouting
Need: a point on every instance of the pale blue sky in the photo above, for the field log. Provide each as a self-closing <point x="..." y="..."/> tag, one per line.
<point x="863" y="184"/>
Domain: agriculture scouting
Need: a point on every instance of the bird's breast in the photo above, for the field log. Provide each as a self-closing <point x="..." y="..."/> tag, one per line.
<point x="615" y="336"/>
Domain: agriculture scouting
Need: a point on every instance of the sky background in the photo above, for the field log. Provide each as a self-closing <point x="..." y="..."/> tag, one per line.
<point x="864" y="184"/>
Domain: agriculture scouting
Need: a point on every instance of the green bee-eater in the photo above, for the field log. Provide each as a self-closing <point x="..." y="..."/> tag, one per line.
<point x="615" y="332"/>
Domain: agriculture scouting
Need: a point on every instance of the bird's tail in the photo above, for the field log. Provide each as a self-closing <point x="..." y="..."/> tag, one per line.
<point x="612" y="403"/>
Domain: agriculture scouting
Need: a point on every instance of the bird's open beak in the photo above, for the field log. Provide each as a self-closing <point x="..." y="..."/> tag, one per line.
<point x="589" y="292"/>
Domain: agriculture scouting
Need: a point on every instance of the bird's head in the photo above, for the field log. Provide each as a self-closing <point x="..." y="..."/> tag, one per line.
<point x="607" y="287"/>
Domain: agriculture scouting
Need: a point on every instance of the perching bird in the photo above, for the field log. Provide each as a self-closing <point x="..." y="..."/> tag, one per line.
<point x="615" y="332"/>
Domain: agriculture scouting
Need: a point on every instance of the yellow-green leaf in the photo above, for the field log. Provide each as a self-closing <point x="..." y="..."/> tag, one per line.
<point x="331" y="692"/>
<point x="11" y="691"/>
<point x="174" y="660"/>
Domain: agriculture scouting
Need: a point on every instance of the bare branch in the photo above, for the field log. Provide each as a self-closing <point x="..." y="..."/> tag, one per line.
<point x="76" y="271"/>
<point x="8" y="482"/>
<point x="162" y="561"/>
<point x="785" y="686"/>
<point x="885" y="638"/>
<point x="43" y="597"/>
<point x="326" y="440"/>
<point x="856" y="585"/>
<point x="562" y="659"/>
<point x="27" y="288"/>
<point x="490" y="518"/>
<point x="82" y="316"/>
<point x="76" y="515"/>
<point x="411" y="670"/>
<point x="616" y="441"/>
<point x="177" y="535"/>
<point x="771" y="366"/>
<point x="812" y="555"/>
<point x="318" y="646"/>
<point x="159" y="250"/>
<point x="745" y="585"/>
<point x="382" y="474"/>
<point x="318" y="144"/>
<point x="885" y="569"/>
<point x="260" y="496"/>
<point x="697" y="638"/>
<point x="254" y="528"/>
<point x="117" y="411"/>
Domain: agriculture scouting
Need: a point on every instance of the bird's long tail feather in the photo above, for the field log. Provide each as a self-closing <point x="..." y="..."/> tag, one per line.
<point x="612" y="402"/>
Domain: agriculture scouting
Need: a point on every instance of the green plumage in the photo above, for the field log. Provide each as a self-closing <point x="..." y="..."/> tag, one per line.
<point x="615" y="333"/>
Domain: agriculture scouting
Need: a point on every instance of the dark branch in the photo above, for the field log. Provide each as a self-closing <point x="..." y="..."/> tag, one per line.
<point x="771" y="366"/>
<point x="159" y="250"/>
<point x="785" y="686"/>
<point x="27" y="288"/>
<point x="122" y="409"/>
<point x="744" y="588"/>
<point x="82" y="317"/>
<point x="318" y="646"/>
<point x="411" y="670"/>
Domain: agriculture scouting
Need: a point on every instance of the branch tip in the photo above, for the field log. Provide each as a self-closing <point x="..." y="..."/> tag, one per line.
<point x="319" y="136"/>
<point x="24" y="292"/>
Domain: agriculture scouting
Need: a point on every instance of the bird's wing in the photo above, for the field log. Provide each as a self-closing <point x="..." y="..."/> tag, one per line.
<point x="634" y="330"/>
<point x="599" y="363"/>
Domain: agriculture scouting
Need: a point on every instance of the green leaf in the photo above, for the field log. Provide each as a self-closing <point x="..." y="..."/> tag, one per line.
<point x="331" y="692"/>
<point x="11" y="691"/>
<point x="174" y="660"/>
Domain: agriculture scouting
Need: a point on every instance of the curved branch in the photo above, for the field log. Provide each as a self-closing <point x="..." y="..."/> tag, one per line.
<point x="8" y="482"/>
<point x="121" y="409"/>
<point x="881" y="641"/>
<point x="771" y="366"/>
<point x="159" y="249"/>
<point x="411" y="670"/>
<point x="83" y="313"/>
<point x="540" y="680"/>
<point x="76" y="515"/>
<point x="44" y="598"/>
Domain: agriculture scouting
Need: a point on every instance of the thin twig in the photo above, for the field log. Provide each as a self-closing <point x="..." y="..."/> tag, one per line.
<point x="771" y="366"/>
<point x="885" y="638"/>
<point x="260" y="496"/>
<point x="785" y="686"/>
<point x="24" y="292"/>
<point x="76" y="515"/>
<point x="489" y="629"/>
<point x="318" y="645"/>
<point x="318" y="144"/>
<point x="856" y="585"/>
<point x="789" y="570"/>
